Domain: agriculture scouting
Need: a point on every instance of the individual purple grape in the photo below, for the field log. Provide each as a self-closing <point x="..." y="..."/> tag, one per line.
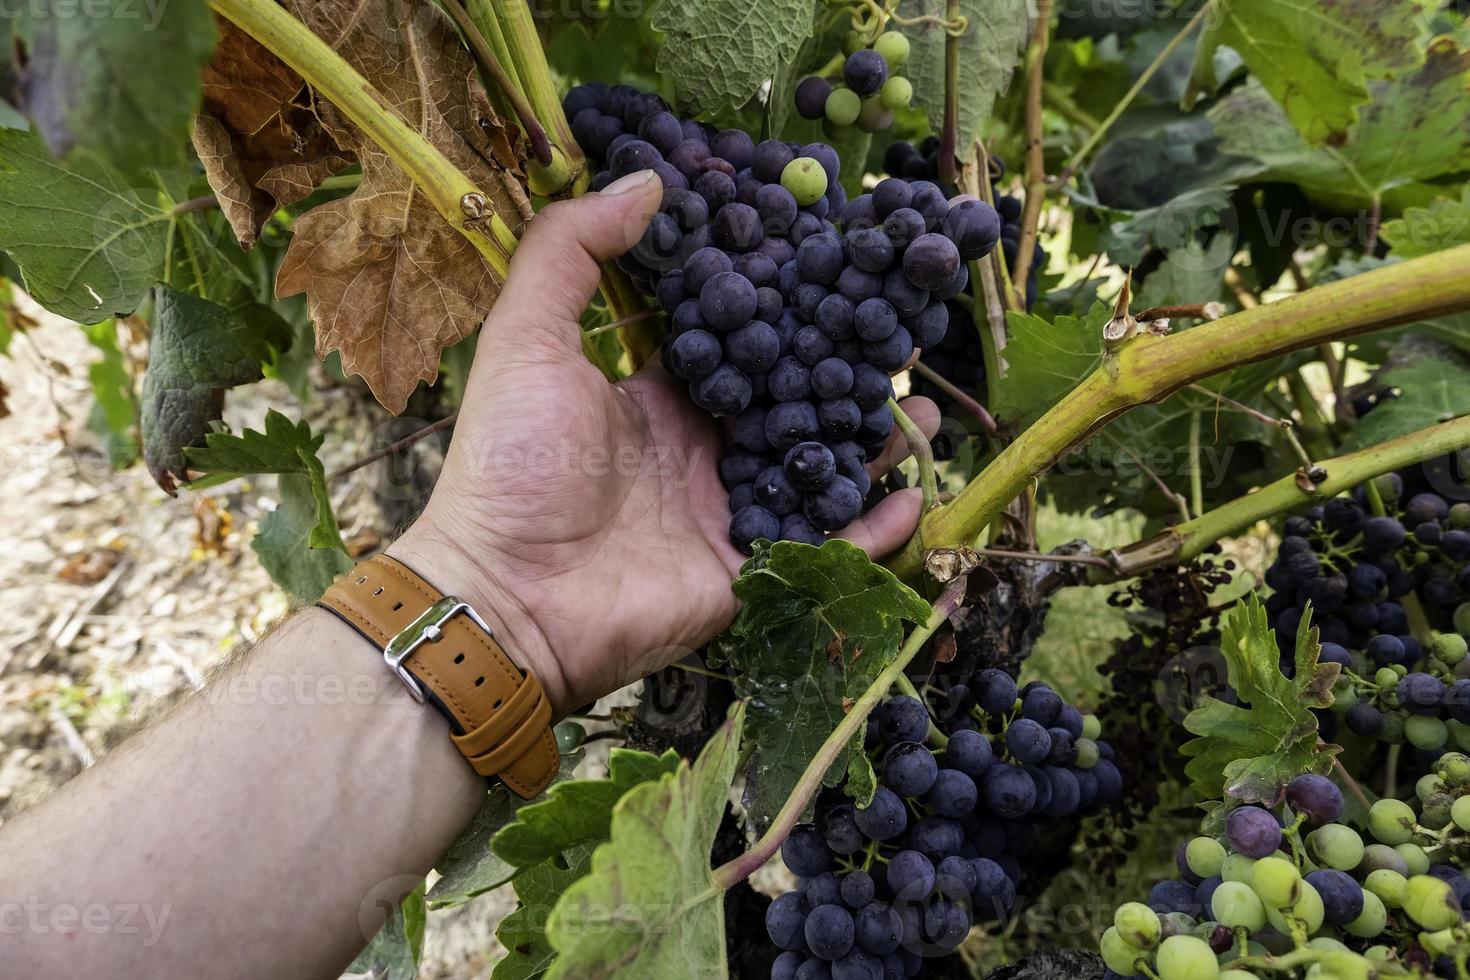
<point x="974" y="227"/>
<point x="905" y="297"/>
<point x="891" y="353"/>
<point x="769" y="160"/>
<point x="1008" y="790"/>
<point x="831" y="378"/>
<point x="1421" y="693"/>
<point x="953" y="794"/>
<point x="792" y="422"/>
<point x="786" y="921"/>
<point x="870" y="249"/>
<point x="716" y="188"/>
<point x="875" y="320"/>
<point x="751" y="524"/>
<point x="834" y="506"/>
<point x="733" y="145"/>
<point x="879" y="929"/>
<point x="774" y="492"/>
<point x="790" y="380"/>
<point x="1253" y="831"/>
<point x="902" y="719"/>
<point x="1316" y="797"/>
<point x="840" y="418"/>
<point x="1383" y="534"/>
<point x="695" y="354"/>
<point x="903" y="225"/>
<point x="969" y="752"/>
<point x="777" y="209"/>
<point x="752" y="348"/>
<point x="811" y="347"/>
<point x="819" y="258"/>
<point x="811" y="97"/>
<point x="796" y="527"/>
<point x="1027" y="741"/>
<point x="929" y="327"/>
<point x="931" y="261"/>
<point x="865" y="71"/>
<point x="1041" y="704"/>
<point x="995" y="691"/>
<point x="829" y="932"/>
<point x="810" y="466"/>
<point x="884" y="818"/>
<point x="1342" y="897"/>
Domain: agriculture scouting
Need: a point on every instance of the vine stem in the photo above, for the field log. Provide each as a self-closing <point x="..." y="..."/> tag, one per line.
<point x="922" y="452"/>
<point x="1192" y="537"/>
<point x="1352" y="784"/>
<point x="1127" y="100"/>
<point x="453" y="195"/>
<point x="1035" y="156"/>
<point x="529" y="57"/>
<point x="1148" y="368"/>
<point x="1177" y="499"/>
<point x="483" y="53"/>
<point x="732" y="873"/>
<point x="395" y="447"/>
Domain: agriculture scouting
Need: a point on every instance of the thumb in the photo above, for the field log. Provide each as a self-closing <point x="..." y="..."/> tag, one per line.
<point x="555" y="268"/>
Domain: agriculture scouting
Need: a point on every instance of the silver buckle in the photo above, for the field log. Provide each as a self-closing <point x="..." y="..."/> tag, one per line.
<point x="428" y="628"/>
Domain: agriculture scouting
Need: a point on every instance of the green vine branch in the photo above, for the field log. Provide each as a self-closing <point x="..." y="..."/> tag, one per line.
<point x="1148" y="368"/>
<point x="509" y="89"/>
<point x="453" y="195"/>
<point x="730" y="874"/>
<point x="1190" y="538"/>
<point x="518" y="26"/>
<point x="1035" y="156"/>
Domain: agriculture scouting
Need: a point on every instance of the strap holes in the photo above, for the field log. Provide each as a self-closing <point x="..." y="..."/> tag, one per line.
<point x="479" y="681"/>
<point x="379" y="591"/>
<point x="397" y="606"/>
<point x="362" y="580"/>
<point x="459" y="658"/>
<point x="496" y="705"/>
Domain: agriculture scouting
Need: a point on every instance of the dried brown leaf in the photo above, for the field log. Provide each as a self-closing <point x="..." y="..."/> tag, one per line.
<point x="389" y="282"/>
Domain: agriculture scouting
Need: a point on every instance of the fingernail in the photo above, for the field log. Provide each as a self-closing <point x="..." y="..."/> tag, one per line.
<point x="631" y="182"/>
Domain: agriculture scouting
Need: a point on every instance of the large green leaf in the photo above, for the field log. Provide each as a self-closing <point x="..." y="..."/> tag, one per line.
<point x="88" y="244"/>
<point x="470" y="867"/>
<point x="1194" y="273"/>
<point x="198" y="349"/>
<point x="528" y="953"/>
<point x="288" y="540"/>
<point x="579" y="811"/>
<point x="1416" y="129"/>
<point x="1045" y="360"/>
<point x="989" y="51"/>
<point x="718" y="53"/>
<point x="393" y="954"/>
<point x="1313" y="58"/>
<point x="1248" y="753"/>
<point x="818" y="624"/>
<point x="115" y="79"/>
<point x="1431" y="389"/>
<point x="114" y="415"/>
<point x="1443" y="224"/>
<point x="1171" y="225"/>
<point x="650" y="908"/>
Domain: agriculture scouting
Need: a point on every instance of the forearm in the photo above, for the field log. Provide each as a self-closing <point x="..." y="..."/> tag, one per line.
<point x="243" y="835"/>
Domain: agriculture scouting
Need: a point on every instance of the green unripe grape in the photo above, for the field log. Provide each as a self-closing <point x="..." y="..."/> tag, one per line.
<point x="896" y="93"/>
<point x="853" y="42"/>
<point x="1120" y="956"/>
<point x="1277" y="881"/>
<point x="1388" y="488"/>
<point x="1237" y="975"/>
<point x="1091" y="727"/>
<point x="1371" y="921"/>
<point x="1087" y="754"/>
<point x="1204" y="855"/>
<point x="1460" y="515"/>
<point x="1387" y="885"/>
<point x="1437" y="943"/>
<point x="874" y="116"/>
<point x="1308" y="910"/>
<point x="1381" y="856"/>
<point x="1344" y="694"/>
<point x="1385" y="677"/>
<point x="1429" y="784"/>
<point x="1391" y="821"/>
<point x="1378" y="954"/>
<point x="1399" y="669"/>
<point x="569" y="734"/>
<point x="1236" y="906"/>
<point x="1336" y="846"/>
<point x="842" y="108"/>
<point x="1431" y="903"/>
<point x="1460" y="813"/>
<point x="805" y="179"/>
<point x="1414" y="858"/>
<point x="1462" y="618"/>
<point x="1238" y="867"/>
<point x="1339" y="965"/>
<point x="1392" y="732"/>
<point x="1176" y="924"/>
<point x="1454" y="767"/>
<point x="1186" y="958"/>
<point x="893" y="46"/>
<point x="1436" y="812"/>
<point x="1138" y="925"/>
<point x="1425" y="732"/>
<point x="1326" y="942"/>
<point x="1448" y="647"/>
<point x="1460" y="732"/>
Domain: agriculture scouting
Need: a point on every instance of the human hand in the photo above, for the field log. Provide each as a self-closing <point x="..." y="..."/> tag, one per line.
<point x="584" y="520"/>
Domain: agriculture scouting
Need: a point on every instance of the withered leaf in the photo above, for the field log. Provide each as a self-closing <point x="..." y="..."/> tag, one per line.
<point x="389" y="282"/>
<point x="258" y="137"/>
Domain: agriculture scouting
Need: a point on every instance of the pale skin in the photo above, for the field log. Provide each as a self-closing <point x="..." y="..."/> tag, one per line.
<point x="258" y="830"/>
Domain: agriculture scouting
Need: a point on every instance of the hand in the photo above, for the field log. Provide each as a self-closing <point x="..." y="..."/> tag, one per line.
<point x="586" y="521"/>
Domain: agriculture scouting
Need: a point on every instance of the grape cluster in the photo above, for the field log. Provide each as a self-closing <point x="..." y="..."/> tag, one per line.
<point x="938" y="848"/>
<point x="790" y="306"/>
<point x="1299" y="892"/>
<point x="868" y="90"/>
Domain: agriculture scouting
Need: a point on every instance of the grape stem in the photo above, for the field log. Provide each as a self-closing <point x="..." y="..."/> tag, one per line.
<point x="1148" y="368"/>
<point x="475" y="41"/>
<point x="1391" y="770"/>
<point x="1035" y="154"/>
<point x="987" y="422"/>
<point x="922" y="452"/>
<point x="1346" y="777"/>
<point x="732" y="873"/>
<point x="394" y="448"/>
<point x="1177" y="498"/>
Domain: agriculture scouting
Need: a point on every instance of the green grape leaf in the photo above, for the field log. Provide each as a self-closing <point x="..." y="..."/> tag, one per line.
<point x="1045" y="360"/>
<point x="523" y="932"/>
<point x="717" y="53"/>
<point x="1249" y="753"/>
<point x="89" y="246"/>
<point x="653" y="881"/>
<point x="1431" y="390"/>
<point x="114" y="415"/>
<point x="817" y="625"/>
<point x="470" y="867"/>
<point x="1443" y="224"/>
<point x="284" y="447"/>
<point x="577" y="812"/>
<point x="293" y="540"/>
<point x="989" y="51"/>
<point x="198" y="349"/>
<point x="394" y="952"/>
<point x="1416" y="129"/>
<point x="1171" y="225"/>
<point x="1194" y="273"/>
<point x="1313" y="58"/>
<point x="120" y="83"/>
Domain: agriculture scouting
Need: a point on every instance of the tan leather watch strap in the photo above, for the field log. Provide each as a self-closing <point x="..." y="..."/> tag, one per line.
<point x="500" y="716"/>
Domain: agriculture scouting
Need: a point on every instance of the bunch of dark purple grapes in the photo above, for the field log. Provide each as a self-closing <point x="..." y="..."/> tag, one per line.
<point x="887" y="886"/>
<point x="791" y="307"/>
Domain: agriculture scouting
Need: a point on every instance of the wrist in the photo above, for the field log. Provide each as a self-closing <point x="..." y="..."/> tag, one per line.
<point x="446" y="564"/>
